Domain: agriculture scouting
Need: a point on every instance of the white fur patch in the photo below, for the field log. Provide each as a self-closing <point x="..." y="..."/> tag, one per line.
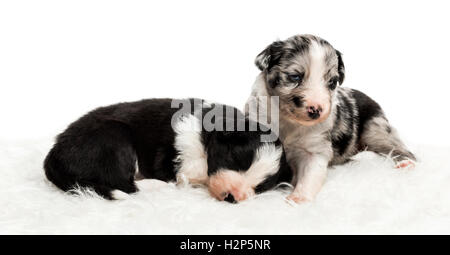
<point x="191" y="160"/>
<point x="265" y="163"/>
<point x="316" y="92"/>
<point x="136" y="168"/>
<point x="317" y="65"/>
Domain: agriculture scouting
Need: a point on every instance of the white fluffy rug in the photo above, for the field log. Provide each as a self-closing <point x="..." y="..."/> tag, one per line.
<point x="366" y="196"/>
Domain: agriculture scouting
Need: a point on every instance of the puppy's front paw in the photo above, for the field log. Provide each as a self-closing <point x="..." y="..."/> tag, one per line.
<point x="298" y="198"/>
<point x="150" y="184"/>
<point x="405" y="164"/>
<point x="119" y="195"/>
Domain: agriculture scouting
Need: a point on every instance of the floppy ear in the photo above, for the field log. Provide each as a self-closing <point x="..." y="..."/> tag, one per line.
<point x="341" y="67"/>
<point x="269" y="56"/>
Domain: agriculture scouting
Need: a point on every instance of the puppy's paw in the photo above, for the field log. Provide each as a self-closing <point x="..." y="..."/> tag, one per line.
<point x="298" y="198"/>
<point x="119" y="195"/>
<point x="405" y="164"/>
<point x="150" y="184"/>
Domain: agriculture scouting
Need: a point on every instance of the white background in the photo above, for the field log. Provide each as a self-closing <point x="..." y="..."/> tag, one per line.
<point x="59" y="59"/>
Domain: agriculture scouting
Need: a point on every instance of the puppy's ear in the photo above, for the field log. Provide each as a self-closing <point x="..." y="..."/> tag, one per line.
<point x="269" y="56"/>
<point x="341" y="67"/>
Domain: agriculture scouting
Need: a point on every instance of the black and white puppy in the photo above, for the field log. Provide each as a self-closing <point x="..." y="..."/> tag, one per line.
<point x="107" y="148"/>
<point x="321" y="123"/>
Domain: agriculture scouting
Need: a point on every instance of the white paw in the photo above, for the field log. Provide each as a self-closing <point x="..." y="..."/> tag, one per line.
<point x="150" y="184"/>
<point x="119" y="195"/>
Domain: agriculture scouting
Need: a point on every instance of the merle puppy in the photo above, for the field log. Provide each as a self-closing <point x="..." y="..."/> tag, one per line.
<point x="107" y="148"/>
<point x="321" y="123"/>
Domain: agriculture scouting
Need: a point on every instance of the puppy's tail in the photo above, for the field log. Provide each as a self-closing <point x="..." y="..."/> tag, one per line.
<point x="62" y="179"/>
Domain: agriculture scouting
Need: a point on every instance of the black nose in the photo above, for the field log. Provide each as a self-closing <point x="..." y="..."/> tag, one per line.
<point x="230" y="199"/>
<point x="313" y="112"/>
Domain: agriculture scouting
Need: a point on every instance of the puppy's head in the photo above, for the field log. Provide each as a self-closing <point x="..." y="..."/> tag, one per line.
<point x="303" y="71"/>
<point x="241" y="165"/>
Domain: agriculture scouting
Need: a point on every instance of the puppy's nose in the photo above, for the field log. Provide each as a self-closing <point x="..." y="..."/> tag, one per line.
<point x="314" y="111"/>
<point x="230" y="199"/>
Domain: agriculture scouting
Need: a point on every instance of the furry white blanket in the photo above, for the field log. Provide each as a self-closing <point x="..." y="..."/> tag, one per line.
<point x="366" y="196"/>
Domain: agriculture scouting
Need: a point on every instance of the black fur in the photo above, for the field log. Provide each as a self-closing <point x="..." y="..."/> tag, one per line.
<point x="269" y="56"/>
<point x="341" y="67"/>
<point x="100" y="149"/>
<point x="367" y="109"/>
<point x="342" y="141"/>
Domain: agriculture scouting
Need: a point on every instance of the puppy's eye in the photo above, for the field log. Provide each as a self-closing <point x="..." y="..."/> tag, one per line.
<point x="295" y="77"/>
<point x="332" y="84"/>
